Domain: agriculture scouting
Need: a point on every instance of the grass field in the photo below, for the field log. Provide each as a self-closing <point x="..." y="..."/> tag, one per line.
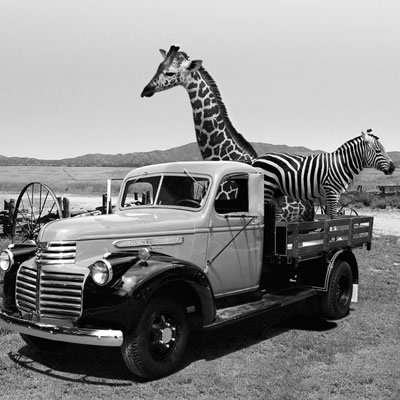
<point x="62" y="180"/>
<point x="81" y="180"/>
<point x="90" y="181"/>
<point x="301" y="358"/>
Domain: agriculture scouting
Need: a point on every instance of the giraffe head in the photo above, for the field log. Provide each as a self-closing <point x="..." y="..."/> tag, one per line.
<point x="173" y="71"/>
<point x="375" y="154"/>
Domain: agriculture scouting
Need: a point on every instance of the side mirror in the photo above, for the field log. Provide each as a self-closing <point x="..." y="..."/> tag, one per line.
<point x="256" y="194"/>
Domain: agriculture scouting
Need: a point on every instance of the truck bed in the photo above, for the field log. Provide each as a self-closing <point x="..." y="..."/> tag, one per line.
<point x="307" y="240"/>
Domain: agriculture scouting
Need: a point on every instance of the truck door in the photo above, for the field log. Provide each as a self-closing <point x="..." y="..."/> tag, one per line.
<point x="235" y="250"/>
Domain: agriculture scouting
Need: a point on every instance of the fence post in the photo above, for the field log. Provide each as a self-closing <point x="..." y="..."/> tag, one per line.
<point x="11" y="209"/>
<point x="66" y="208"/>
<point x="108" y="205"/>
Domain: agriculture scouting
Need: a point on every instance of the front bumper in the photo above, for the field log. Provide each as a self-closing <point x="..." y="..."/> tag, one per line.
<point x="95" y="337"/>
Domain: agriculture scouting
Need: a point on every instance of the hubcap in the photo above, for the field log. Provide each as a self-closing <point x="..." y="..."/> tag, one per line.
<point x="163" y="335"/>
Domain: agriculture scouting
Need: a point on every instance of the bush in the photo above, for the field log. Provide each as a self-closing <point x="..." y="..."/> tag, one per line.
<point x="381" y="204"/>
<point x="365" y="198"/>
<point x="394" y="201"/>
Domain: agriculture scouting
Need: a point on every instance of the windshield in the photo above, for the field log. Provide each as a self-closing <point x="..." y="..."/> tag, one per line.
<point x="165" y="190"/>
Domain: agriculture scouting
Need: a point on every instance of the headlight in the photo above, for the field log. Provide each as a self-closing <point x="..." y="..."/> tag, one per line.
<point x="6" y="260"/>
<point x="101" y="272"/>
<point x="144" y="254"/>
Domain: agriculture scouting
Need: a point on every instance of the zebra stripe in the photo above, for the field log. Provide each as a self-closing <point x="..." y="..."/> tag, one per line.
<point x="324" y="175"/>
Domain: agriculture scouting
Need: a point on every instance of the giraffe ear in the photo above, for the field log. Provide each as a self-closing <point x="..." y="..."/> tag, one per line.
<point x="194" y="65"/>
<point x="163" y="53"/>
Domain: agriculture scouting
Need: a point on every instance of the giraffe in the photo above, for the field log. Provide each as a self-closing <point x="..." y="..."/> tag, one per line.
<point x="215" y="134"/>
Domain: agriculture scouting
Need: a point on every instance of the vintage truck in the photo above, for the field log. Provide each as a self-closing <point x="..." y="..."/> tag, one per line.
<point x="189" y="245"/>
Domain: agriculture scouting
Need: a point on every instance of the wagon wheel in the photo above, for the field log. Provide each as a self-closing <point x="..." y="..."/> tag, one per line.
<point x="36" y="206"/>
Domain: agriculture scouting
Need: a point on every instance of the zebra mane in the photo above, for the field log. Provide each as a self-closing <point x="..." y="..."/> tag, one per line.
<point x="238" y="137"/>
<point x="357" y="142"/>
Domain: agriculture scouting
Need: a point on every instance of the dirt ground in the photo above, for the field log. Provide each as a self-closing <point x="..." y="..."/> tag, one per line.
<point x="386" y="222"/>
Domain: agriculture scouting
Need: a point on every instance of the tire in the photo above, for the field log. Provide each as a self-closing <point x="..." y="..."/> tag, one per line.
<point x="335" y="304"/>
<point x="156" y="345"/>
<point x="42" y="344"/>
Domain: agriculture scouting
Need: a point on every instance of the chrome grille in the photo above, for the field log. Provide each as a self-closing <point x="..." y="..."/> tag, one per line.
<point x="49" y="294"/>
<point x="61" y="252"/>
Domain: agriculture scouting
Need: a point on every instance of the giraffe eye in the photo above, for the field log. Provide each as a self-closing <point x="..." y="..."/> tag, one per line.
<point x="169" y="73"/>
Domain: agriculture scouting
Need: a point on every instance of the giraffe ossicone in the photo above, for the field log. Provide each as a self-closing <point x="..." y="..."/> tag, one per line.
<point x="216" y="136"/>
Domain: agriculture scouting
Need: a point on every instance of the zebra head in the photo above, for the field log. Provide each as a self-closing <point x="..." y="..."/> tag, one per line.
<point x="173" y="71"/>
<point x="375" y="154"/>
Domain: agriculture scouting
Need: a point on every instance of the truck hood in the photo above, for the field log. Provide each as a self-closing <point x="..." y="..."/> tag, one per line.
<point x="129" y="224"/>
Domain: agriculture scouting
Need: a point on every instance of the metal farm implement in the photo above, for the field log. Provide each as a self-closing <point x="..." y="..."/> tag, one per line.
<point x="36" y="205"/>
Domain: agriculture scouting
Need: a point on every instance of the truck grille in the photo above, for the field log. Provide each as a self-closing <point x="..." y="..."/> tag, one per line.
<point x="61" y="252"/>
<point x="49" y="294"/>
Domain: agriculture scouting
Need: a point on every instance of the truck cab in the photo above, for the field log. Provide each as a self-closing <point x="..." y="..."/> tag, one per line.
<point x="188" y="241"/>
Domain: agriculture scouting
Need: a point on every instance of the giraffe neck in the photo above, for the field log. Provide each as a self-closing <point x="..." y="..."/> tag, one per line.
<point x="216" y="137"/>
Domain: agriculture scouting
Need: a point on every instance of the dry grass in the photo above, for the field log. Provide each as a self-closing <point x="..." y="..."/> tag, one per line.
<point x="62" y="180"/>
<point x="302" y="358"/>
<point x="354" y="358"/>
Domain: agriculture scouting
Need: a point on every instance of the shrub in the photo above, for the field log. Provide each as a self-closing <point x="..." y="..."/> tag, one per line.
<point x="381" y="204"/>
<point x="365" y="198"/>
<point x="394" y="201"/>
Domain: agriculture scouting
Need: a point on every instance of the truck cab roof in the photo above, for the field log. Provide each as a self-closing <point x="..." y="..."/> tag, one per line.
<point x="216" y="169"/>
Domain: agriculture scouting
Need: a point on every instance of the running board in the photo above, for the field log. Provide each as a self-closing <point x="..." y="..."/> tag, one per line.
<point x="268" y="302"/>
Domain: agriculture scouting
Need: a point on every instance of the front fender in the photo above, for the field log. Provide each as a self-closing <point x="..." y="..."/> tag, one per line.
<point x="19" y="254"/>
<point x="121" y="302"/>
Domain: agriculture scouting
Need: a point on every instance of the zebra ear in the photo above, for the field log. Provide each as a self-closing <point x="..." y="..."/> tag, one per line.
<point x="369" y="138"/>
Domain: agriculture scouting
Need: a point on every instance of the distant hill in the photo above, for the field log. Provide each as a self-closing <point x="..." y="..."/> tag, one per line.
<point x="187" y="152"/>
<point x="395" y="156"/>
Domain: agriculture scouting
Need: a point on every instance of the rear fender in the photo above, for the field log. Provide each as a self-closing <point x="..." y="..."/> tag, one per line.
<point x="350" y="258"/>
<point x="316" y="273"/>
<point x="344" y="255"/>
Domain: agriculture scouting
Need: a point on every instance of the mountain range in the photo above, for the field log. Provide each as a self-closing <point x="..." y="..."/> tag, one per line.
<point x="187" y="152"/>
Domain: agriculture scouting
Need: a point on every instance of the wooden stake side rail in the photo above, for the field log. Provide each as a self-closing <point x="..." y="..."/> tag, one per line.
<point x="308" y="240"/>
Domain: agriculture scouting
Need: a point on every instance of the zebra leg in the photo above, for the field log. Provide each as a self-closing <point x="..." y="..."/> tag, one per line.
<point x="332" y="199"/>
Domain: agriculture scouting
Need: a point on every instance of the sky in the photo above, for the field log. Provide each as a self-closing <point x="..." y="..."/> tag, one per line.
<point x="310" y="73"/>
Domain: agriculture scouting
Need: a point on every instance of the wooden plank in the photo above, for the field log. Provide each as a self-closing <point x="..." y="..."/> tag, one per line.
<point x="305" y="239"/>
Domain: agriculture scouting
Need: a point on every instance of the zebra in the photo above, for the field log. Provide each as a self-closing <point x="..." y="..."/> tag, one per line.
<point x="324" y="175"/>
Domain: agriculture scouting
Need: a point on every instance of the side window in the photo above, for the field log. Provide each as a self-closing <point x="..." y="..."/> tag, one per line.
<point x="232" y="195"/>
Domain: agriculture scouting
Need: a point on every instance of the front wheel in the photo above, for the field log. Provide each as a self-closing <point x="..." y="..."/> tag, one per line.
<point x="335" y="303"/>
<point x="156" y="345"/>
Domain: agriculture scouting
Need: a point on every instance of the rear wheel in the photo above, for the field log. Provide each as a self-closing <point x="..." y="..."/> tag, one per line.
<point x="156" y="345"/>
<point x="335" y="303"/>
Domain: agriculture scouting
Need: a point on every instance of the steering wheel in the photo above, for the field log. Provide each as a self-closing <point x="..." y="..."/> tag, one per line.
<point x="134" y="203"/>
<point x="188" y="203"/>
